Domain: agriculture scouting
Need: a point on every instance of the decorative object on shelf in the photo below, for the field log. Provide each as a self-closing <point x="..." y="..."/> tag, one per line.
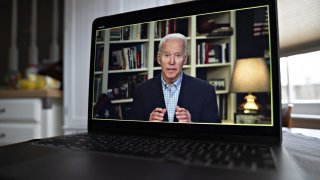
<point x="205" y="24"/>
<point x="213" y="25"/>
<point x="219" y="84"/>
<point x="249" y="76"/>
<point x="240" y="118"/>
<point x="221" y="31"/>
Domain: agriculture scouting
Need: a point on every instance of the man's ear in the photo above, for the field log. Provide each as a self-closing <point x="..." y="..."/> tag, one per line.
<point x="185" y="59"/>
<point x="159" y="59"/>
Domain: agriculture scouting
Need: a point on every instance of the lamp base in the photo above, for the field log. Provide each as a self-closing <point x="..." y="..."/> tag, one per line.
<point x="250" y="106"/>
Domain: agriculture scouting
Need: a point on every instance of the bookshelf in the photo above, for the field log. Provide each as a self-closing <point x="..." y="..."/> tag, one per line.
<point x="128" y="54"/>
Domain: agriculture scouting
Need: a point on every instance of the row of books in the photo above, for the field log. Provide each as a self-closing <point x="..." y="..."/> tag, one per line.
<point x="171" y="26"/>
<point x="132" y="32"/>
<point x="97" y="91"/>
<point x="99" y="58"/>
<point x="208" y="53"/>
<point x="133" y="57"/>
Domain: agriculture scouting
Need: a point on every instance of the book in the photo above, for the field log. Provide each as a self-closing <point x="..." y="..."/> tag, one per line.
<point x="97" y="88"/>
<point x="214" y="53"/>
<point x="225" y="52"/>
<point x="198" y="53"/>
<point x="223" y="106"/>
<point x="125" y="33"/>
<point x="135" y="32"/>
<point x="165" y="27"/>
<point x="138" y="56"/>
<point x="116" y="60"/>
<point x="115" y="34"/>
<point x="144" y="56"/>
<point x="99" y="58"/>
<point x="203" y="53"/>
<point x="131" y="58"/>
<point x="125" y="55"/>
<point x="209" y="52"/>
<point x="144" y="31"/>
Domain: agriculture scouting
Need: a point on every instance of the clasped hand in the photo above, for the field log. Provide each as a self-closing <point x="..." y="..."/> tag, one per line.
<point x="183" y="115"/>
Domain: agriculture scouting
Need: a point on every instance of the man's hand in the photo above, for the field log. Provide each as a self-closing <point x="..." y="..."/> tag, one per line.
<point x="183" y="115"/>
<point x="157" y="115"/>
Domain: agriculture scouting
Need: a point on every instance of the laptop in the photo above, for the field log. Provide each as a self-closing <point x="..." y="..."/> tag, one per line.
<point x="245" y="143"/>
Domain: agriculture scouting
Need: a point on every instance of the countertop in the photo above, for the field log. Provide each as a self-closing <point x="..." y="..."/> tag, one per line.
<point x="47" y="93"/>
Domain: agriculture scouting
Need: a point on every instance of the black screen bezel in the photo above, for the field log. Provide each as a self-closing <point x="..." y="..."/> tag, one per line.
<point x="217" y="132"/>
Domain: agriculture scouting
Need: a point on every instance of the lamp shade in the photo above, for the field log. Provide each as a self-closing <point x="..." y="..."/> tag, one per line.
<point x="250" y="75"/>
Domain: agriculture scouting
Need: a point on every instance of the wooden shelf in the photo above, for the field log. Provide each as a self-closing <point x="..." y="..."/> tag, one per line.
<point x="213" y="65"/>
<point x="120" y="101"/>
<point x="52" y="93"/>
<point x="222" y="92"/>
<point x="127" y="70"/>
<point x="159" y="39"/>
<point x="129" y="41"/>
<point x="100" y="42"/>
<point x="211" y="37"/>
<point x="98" y="72"/>
<point x="184" y="67"/>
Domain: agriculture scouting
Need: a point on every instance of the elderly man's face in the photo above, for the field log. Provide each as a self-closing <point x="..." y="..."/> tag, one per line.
<point x="171" y="59"/>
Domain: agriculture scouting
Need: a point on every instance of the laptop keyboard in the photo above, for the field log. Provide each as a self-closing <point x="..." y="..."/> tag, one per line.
<point x="199" y="153"/>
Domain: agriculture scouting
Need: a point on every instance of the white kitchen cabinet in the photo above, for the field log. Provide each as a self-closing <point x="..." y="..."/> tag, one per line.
<point x="26" y="115"/>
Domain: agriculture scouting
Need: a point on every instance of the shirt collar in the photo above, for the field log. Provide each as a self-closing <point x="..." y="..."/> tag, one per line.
<point x="176" y="84"/>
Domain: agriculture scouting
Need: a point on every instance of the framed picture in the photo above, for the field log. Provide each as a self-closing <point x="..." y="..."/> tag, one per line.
<point x="219" y="84"/>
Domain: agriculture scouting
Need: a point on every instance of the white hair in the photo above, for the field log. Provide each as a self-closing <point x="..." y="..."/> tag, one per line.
<point x="174" y="36"/>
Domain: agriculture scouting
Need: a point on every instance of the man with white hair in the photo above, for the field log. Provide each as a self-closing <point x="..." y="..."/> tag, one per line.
<point x="173" y="96"/>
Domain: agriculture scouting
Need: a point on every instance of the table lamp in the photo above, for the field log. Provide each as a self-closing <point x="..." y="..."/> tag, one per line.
<point x="250" y="75"/>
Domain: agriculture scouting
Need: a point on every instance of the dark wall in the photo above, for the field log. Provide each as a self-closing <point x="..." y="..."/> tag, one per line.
<point x="44" y="32"/>
<point x="249" y="45"/>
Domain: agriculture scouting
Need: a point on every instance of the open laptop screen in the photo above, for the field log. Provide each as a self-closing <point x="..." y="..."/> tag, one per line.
<point x="225" y="74"/>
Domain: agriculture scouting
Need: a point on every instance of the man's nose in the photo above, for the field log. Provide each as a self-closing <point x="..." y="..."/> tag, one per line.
<point x="172" y="60"/>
